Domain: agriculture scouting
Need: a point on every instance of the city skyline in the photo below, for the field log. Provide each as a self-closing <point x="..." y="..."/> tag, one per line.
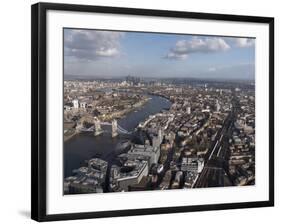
<point x="111" y="54"/>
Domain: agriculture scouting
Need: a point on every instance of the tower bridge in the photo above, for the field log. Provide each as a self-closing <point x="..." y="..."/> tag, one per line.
<point x="115" y="127"/>
<point x="97" y="127"/>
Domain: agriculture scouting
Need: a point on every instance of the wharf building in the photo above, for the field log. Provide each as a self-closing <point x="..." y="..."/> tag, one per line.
<point x="136" y="163"/>
<point x="153" y="153"/>
<point x="87" y="179"/>
<point x="129" y="174"/>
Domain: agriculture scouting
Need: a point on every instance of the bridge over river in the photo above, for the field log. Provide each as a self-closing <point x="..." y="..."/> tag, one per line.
<point x="97" y="128"/>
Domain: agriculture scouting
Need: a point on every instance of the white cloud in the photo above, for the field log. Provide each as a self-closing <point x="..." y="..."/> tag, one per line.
<point x="107" y="52"/>
<point x="243" y="42"/>
<point x="183" y="48"/>
<point x="173" y="55"/>
<point x="212" y="69"/>
<point x="91" y="44"/>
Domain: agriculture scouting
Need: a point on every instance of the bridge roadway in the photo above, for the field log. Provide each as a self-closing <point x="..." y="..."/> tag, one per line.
<point x="119" y="128"/>
<point x="215" y="171"/>
<point x="92" y="128"/>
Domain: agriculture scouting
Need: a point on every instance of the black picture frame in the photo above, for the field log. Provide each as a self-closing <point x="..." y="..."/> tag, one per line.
<point x="38" y="108"/>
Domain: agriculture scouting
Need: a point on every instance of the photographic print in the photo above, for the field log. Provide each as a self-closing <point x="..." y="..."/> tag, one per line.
<point x="150" y="111"/>
<point x="144" y="111"/>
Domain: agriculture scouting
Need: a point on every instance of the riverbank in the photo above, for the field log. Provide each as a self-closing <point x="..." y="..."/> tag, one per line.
<point x="68" y="137"/>
<point x="123" y="113"/>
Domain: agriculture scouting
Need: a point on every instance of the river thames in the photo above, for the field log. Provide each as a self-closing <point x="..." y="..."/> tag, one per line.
<point x="85" y="146"/>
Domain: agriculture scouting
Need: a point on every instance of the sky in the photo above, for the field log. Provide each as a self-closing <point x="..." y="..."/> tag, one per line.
<point x="96" y="53"/>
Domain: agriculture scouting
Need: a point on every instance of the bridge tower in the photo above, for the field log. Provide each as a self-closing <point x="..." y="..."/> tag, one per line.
<point x="160" y="136"/>
<point x="114" y="128"/>
<point x="98" y="129"/>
